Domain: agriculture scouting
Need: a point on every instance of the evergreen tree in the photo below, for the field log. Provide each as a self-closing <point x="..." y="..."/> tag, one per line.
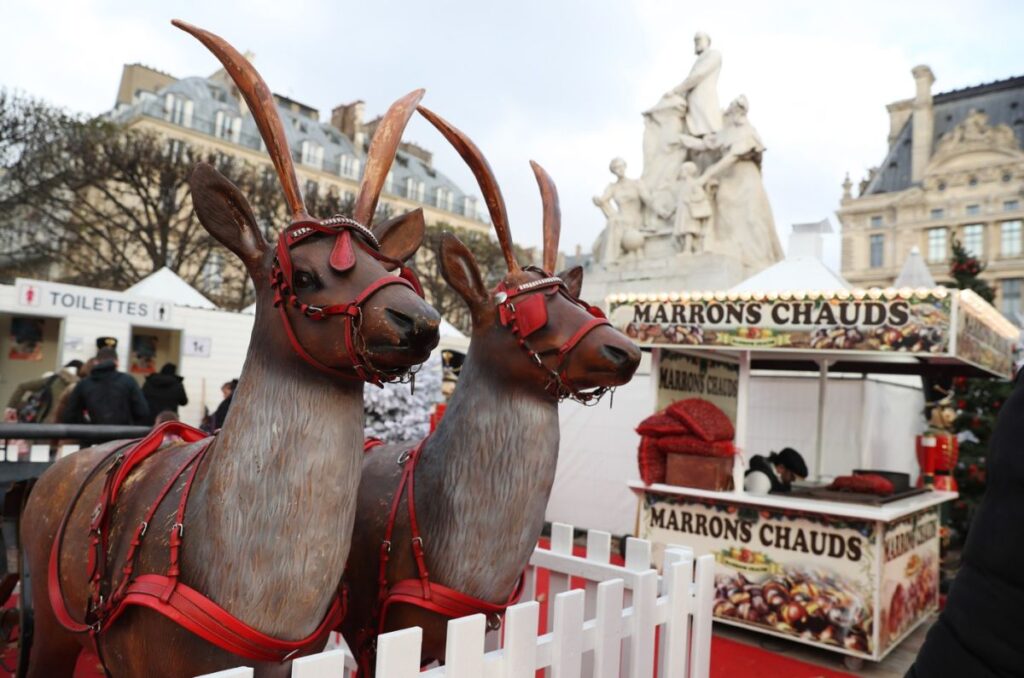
<point x="399" y="412"/>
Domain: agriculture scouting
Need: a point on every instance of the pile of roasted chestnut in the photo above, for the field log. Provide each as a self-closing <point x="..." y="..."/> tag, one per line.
<point x="913" y="338"/>
<point x="814" y="606"/>
<point x="673" y="334"/>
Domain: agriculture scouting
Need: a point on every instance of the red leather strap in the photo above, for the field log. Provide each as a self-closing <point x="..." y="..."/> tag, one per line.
<point x="195" y="612"/>
<point x="447" y="601"/>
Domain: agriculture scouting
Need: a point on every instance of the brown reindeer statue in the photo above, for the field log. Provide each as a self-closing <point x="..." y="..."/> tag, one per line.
<point x="448" y="530"/>
<point x="226" y="550"/>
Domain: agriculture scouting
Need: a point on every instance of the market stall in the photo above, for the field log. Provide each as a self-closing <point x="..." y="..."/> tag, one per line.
<point x="847" y="571"/>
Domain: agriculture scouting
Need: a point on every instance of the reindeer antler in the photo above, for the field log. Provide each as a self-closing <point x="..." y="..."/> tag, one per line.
<point x="261" y="104"/>
<point x="381" y="155"/>
<point x="552" y="216"/>
<point x="484" y="177"/>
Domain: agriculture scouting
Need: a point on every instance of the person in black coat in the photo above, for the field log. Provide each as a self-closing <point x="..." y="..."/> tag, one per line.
<point x="979" y="633"/>
<point x="221" y="414"/>
<point x="164" y="391"/>
<point x="106" y="396"/>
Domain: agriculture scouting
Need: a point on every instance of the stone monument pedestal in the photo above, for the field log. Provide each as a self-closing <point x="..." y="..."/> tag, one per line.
<point x="680" y="272"/>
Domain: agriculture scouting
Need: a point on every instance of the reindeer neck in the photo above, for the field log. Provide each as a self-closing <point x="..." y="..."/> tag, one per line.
<point x="277" y="494"/>
<point x="488" y="470"/>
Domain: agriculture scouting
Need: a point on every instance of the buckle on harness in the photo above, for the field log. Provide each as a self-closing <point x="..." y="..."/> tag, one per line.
<point x="313" y="311"/>
<point x="180" y="528"/>
<point x="387" y="545"/>
<point x="144" y="526"/>
<point x="404" y="457"/>
<point x="95" y="627"/>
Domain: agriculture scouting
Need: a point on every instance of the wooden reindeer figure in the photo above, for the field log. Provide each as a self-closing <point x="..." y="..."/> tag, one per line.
<point x="448" y="530"/>
<point x="229" y="550"/>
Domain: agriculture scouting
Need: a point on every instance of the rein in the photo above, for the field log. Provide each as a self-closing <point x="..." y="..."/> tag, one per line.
<point x="523" y="309"/>
<point x="342" y="259"/>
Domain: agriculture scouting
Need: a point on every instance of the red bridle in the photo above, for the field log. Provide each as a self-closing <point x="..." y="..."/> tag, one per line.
<point x="523" y="309"/>
<point x="342" y="259"/>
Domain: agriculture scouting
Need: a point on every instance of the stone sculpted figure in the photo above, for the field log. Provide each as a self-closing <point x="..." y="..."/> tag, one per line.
<point x="693" y="211"/>
<point x="744" y="226"/>
<point x="622" y="203"/>
<point x="700" y="89"/>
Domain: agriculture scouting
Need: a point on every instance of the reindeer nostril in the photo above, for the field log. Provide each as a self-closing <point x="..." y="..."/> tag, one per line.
<point x="615" y="354"/>
<point x="403" y="322"/>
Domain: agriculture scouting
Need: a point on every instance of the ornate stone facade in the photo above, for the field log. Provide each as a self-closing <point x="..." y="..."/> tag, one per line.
<point x="955" y="169"/>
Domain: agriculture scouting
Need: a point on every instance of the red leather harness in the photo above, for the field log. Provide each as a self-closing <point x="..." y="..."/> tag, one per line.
<point x="163" y="593"/>
<point x="419" y="591"/>
<point x="342" y="259"/>
<point x="523" y="309"/>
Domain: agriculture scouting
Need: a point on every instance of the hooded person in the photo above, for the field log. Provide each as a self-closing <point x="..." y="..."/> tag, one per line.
<point x="774" y="473"/>
<point x="164" y="390"/>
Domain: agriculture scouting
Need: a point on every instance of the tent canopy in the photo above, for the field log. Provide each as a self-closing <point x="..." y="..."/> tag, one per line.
<point x="166" y="284"/>
<point x="794" y="273"/>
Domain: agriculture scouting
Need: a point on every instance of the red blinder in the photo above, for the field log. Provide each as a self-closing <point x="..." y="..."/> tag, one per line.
<point x="531" y="313"/>
<point x="343" y="257"/>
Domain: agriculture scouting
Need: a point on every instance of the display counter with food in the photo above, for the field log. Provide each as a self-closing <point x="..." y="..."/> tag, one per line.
<point x="854" y="578"/>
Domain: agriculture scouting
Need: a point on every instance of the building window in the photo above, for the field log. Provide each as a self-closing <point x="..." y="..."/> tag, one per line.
<point x="973" y="210"/>
<point x="1011" y="205"/>
<point x="877" y="251"/>
<point x="1010" y="241"/>
<point x="349" y="166"/>
<point x="876" y="221"/>
<point x="389" y="182"/>
<point x="469" y="207"/>
<point x="178" y="110"/>
<point x="1010" y="304"/>
<point x="414" y="189"/>
<point x="175" y="150"/>
<point x="936" y="245"/>
<point x="312" y="154"/>
<point x="973" y="181"/>
<point x="974" y="239"/>
<point x="312" y="189"/>
<point x="938" y="213"/>
<point x="227" y="126"/>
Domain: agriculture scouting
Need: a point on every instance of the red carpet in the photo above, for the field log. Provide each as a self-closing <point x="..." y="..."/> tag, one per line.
<point x="730" y="659"/>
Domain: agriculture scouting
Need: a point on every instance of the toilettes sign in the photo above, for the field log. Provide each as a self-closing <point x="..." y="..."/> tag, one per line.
<point x="49" y="298"/>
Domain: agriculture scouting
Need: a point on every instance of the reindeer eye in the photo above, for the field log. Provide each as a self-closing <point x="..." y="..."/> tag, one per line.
<point x="304" y="280"/>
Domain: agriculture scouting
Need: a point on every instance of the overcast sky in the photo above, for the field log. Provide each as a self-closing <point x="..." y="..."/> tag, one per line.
<point x="559" y="82"/>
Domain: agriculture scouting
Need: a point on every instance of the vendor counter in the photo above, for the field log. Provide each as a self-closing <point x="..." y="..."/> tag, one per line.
<point x="851" y="578"/>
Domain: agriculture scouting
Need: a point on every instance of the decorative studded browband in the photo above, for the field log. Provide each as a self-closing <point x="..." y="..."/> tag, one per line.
<point x="523" y="309"/>
<point x="343" y="258"/>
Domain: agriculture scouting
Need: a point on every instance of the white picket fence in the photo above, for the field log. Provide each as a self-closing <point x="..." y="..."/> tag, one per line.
<point x="626" y="622"/>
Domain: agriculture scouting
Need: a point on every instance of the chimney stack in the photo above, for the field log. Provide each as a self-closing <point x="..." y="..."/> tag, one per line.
<point x="923" y="122"/>
<point x="348" y="118"/>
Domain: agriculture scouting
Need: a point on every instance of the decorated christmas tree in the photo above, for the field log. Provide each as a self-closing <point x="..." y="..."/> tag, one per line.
<point x="977" y="401"/>
<point x="401" y="412"/>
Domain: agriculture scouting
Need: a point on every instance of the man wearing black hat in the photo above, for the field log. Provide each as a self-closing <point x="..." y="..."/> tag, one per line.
<point x="106" y="396"/>
<point x="774" y="473"/>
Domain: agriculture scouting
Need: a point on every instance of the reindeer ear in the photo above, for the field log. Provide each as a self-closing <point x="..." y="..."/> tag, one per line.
<point x="225" y="213"/>
<point x="573" y="279"/>
<point x="401" y="236"/>
<point x="459" y="269"/>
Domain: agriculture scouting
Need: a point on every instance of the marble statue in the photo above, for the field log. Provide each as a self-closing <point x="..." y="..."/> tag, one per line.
<point x="623" y="204"/>
<point x="693" y="211"/>
<point x="698" y="217"/>
<point x="744" y="225"/>
<point x="700" y="89"/>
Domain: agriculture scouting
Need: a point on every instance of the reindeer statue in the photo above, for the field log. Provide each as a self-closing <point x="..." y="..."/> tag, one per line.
<point x="448" y="530"/>
<point x="231" y="548"/>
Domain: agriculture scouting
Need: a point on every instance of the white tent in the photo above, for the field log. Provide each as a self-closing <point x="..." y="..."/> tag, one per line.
<point x="792" y="274"/>
<point x="915" y="272"/>
<point x="166" y="284"/>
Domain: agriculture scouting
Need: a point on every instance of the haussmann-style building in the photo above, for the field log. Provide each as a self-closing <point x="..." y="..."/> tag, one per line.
<point x="954" y="169"/>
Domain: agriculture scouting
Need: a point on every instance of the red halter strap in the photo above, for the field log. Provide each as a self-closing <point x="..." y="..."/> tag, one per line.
<point x="342" y="258"/>
<point x="420" y="591"/>
<point x="523" y="309"/>
<point x="163" y="593"/>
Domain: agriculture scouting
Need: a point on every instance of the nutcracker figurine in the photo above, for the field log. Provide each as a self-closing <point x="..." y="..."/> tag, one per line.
<point x="937" y="448"/>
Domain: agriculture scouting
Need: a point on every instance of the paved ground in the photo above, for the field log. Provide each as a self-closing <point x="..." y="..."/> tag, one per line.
<point x="895" y="665"/>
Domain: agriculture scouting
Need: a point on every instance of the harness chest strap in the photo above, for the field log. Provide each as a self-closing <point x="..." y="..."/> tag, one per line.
<point x="164" y="593"/>
<point x="421" y="592"/>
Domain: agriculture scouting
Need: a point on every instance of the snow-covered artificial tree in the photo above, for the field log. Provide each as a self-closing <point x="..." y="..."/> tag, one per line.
<point x="399" y="413"/>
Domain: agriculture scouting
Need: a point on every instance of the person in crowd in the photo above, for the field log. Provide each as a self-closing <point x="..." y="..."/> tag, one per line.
<point x="106" y="396"/>
<point x="36" y="401"/>
<point x="979" y="632"/>
<point x="774" y="473"/>
<point x="228" y="390"/>
<point x="164" y="390"/>
<point x="164" y="417"/>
